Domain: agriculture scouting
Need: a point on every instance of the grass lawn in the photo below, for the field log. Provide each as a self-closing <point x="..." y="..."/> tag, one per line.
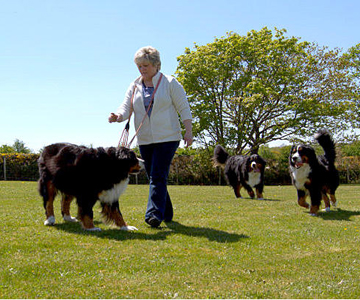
<point x="217" y="247"/>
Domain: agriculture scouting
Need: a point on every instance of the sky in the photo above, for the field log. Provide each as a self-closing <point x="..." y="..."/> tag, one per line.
<point x="65" y="65"/>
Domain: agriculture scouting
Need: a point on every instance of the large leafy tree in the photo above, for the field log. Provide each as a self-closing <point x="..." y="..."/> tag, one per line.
<point x="17" y="147"/>
<point x="352" y="57"/>
<point x="246" y="91"/>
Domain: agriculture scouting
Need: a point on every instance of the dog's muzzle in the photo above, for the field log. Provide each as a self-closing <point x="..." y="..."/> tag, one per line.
<point x="254" y="167"/>
<point x="137" y="168"/>
<point x="297" y="161"/>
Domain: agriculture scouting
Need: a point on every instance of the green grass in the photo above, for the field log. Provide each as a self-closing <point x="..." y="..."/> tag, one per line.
<point x="217" y="247"/>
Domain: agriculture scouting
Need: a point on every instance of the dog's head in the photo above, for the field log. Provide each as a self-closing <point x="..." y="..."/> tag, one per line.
<point x="128" y="158"/>
<point x="301" y="155"/>
<point x="256" y="163"/>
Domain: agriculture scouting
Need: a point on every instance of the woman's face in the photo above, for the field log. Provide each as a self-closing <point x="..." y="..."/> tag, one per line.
<point x="147" y="70"/>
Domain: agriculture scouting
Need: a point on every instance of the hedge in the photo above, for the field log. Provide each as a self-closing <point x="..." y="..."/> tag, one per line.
<point x="194" y="169"/>
<point x="19" y="166"/>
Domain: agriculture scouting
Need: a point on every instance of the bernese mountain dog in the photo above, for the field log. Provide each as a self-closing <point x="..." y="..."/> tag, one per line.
<point x="87" y="174"/>
<point x="242" y="171"/>
<point x="315" y="175"/>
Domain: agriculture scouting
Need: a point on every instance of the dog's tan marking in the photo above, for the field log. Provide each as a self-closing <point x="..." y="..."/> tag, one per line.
<point x="65" y="204"/>
<point x="314" y="209"/>
<point x="87" y="222"/>
<point x="259" y="195"/>
<point x="333" y="200"/>
<point x="326" y="200"/>
<point x="113" y="215"/>
<point x="251" y="194"/>
<point x="51" y="190"/>
<point x="302" y="202"/>
<point x="237" y="190"/>
<point x="135" y="169"/>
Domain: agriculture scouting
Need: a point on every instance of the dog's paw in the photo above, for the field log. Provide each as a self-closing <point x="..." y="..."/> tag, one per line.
<point x="128" y="228"/>
<point x="326" y="209"/>
<point x="69" y="218"/>
<point x="50" y="221"/>
<point x="93" y="229"/>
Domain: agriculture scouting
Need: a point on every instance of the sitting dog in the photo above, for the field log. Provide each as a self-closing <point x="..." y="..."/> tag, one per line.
<point x="242" y="171"/>
<point x="89" y="175"/>
<point x="314" y="175"/>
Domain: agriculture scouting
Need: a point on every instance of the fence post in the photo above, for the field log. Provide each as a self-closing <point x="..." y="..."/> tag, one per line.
<point x="4" y="168"/>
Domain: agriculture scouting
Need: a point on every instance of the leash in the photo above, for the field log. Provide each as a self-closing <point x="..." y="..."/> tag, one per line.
<point x="125" y="134"/>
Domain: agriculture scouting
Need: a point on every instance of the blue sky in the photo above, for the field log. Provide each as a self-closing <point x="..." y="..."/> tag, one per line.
<point x="66" y="64"/>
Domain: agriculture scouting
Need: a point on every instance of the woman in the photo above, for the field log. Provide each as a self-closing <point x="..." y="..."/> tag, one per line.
<point x="160" y="133"/>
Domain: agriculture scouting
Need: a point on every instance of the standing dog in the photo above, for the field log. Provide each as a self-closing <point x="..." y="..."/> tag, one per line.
<point x="242" y="171"/>
<point x="89" y="175"/>
<point x="315" y="175"/>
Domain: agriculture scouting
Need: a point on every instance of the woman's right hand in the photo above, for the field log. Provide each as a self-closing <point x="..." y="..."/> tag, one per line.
<point x="114" y="118"/>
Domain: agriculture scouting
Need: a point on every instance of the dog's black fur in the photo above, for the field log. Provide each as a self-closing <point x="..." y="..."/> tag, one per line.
<point x="315" y="175"/>
<point x="242" y="171"/>
<point x="88" y="174"/>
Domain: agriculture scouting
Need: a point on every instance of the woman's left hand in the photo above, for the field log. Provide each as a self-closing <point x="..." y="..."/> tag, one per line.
<point x="188" y="139"/>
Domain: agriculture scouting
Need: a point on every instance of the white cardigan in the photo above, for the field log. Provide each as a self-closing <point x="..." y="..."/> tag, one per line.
<point x="170" y="101"/>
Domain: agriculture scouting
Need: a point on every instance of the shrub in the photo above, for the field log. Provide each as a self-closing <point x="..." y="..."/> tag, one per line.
<point x="19" y="166"/>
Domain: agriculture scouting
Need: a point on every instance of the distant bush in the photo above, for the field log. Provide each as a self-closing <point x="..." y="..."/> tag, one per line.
<point x="194" y="167"/>
<point x="19" y="166"/>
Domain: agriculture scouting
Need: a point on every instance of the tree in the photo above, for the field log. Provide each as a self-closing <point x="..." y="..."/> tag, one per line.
<point x="17" y="147"/>
<point x="247" y="91"/>
<point x="6" y="149"/>
<point x="20" y="147"/>
<point x="352" y="57"/>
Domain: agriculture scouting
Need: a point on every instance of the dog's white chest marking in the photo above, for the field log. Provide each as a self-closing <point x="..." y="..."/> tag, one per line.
<point x="300" y="176"/>
<point x="112" y="195"/>
<point x="254" y="178"/>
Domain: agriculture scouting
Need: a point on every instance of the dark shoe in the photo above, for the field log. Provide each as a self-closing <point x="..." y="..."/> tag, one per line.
<point x="153" y="222"/>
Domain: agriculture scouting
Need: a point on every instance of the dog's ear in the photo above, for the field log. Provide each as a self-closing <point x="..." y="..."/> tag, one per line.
<point x="262" y="160"/>
<point x="310" y="153"/>
<point x="292" y="149"/>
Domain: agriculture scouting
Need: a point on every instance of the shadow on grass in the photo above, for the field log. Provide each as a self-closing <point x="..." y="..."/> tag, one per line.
<point x="160" y="233"/>
<point x="210" y="233"/>
<point x="339" y="214"/>
<point x="256" y="199"/>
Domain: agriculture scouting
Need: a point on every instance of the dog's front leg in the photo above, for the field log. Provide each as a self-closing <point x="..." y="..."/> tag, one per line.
<point x="259" y="191"/>
<point x="302" y="199"/>
<point x="315" y="195"/>
<point x="112" y="213"/>
<point x="65" y="208"/>
<point x="86" y="215"/>
<point x="250" y="191"/>
<point x="237" y="188"/>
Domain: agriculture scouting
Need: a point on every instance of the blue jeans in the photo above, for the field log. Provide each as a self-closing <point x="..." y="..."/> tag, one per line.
<point x="158" y="159"/>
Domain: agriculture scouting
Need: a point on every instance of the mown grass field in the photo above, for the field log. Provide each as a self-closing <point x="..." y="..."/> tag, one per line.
<point x="217" y="247"/>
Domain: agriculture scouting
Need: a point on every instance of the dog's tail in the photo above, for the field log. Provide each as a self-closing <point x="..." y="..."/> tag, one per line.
<point x="323" y="137"/>
<point x="220" y="156"/>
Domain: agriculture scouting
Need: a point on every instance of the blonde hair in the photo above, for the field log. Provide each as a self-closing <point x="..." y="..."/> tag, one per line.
<point x="148" y="54"/>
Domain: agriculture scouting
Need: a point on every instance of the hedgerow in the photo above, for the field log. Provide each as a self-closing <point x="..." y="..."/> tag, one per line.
<point x="19" y="166"/>
<point x="191" y="167"/>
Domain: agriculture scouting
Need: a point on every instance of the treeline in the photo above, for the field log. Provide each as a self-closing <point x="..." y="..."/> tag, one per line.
<point x="195" y="167"/>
